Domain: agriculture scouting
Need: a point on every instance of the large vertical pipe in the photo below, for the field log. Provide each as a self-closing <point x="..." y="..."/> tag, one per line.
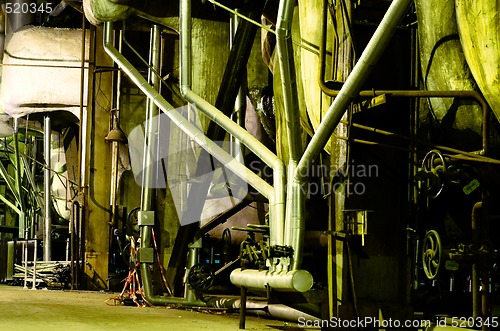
<point x="2" y="33"/>
<point x="294" y="218"/>
<point x="47" y="227"/>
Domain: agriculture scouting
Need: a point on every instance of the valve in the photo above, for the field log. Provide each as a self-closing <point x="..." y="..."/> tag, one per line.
<point x="433" y="174"/>
<point x="432" y="254"/>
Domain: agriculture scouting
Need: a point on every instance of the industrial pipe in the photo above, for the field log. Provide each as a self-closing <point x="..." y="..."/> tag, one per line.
<point x="276" y="199"/>
<point x="277" y="195"/>
<point x="150" y="133"/>
<point x="475" y="274"/>
<point x="295" y="280"/>
<point x="402" y="93"/>
<point x="47" y="228"/>
<point x="295" y="205"/>
<point x="353" y="83"/>
<point x="194" y="133"/>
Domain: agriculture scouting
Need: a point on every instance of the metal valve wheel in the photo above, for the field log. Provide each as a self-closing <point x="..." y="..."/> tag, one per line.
<point x="201" y="276"/>
<point x="432" y="254"/>
<point x="438" y="172"/>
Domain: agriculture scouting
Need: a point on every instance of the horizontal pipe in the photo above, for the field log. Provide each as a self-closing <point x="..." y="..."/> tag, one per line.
<point x="281" y="281"/>
<point x="446" y="328"/>
<point x="264" y="309"/>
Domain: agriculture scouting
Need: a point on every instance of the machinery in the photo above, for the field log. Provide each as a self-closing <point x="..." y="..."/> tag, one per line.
<point x="337" y="159"/>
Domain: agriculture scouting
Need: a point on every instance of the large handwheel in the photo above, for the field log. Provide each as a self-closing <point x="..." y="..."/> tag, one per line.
<point x="432" y="254"/>
<point x="201" y="276"/>
<point x="437" y="170"/>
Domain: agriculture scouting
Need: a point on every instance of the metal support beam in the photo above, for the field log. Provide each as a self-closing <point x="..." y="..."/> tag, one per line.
<point x="47" y="227"/>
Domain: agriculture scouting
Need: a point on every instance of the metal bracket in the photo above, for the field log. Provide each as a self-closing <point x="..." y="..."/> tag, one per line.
<point x="146" y="255"/>
<point x="356" y="221"/>
<point x="146" y="218"/>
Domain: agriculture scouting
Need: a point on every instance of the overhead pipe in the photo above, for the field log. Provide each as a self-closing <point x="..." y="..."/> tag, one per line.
<point x="194" y="133"/>
<point x="353" y="83"/>
<point x="294" y="218"/>
<point x="277" y="195"/>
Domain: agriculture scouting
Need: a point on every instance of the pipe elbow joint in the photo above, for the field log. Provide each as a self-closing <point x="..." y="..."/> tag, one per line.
<point x="185" y="89"/>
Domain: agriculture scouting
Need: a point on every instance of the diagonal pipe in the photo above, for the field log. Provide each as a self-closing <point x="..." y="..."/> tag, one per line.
<point x="194" y="133"/>
<point x="277" y="195"/>
<point x="353" y="84"/>
<point x="280" y="278"/>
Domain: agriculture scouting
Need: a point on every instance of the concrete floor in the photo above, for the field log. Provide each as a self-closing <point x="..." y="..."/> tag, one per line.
<point x="47" y="310"/>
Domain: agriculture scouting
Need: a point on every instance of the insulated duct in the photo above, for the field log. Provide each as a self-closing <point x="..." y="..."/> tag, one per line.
<point x="37" y="55"/>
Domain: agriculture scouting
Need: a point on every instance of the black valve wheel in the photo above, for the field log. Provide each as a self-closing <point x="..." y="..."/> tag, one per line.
<point x="201" y="276"/>
<point x="432" y="254"/>
<point x="132" y="225"/>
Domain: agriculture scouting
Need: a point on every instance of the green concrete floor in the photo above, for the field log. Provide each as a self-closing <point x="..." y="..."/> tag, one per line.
<point x="47" y="310"/>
